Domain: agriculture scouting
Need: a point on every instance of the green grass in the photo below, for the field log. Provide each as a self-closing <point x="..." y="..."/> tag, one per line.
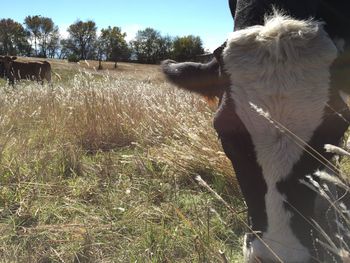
<point x="100" y="168"/>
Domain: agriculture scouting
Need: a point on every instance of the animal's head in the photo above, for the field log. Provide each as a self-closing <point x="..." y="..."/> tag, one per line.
<point x="273" y="78"/>
<point x="7" y="62"/>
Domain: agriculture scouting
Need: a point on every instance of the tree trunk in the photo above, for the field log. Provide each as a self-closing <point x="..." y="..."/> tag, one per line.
<point x="36" y="50"/>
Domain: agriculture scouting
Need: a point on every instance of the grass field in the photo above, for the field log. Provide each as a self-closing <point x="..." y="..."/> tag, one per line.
<point x="100" y="167"/>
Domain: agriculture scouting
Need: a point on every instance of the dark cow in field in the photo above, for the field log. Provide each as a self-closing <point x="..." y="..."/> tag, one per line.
<point x="31" y="70"/>
<point x="2" y="68"/>
<point x="282" y="79"/>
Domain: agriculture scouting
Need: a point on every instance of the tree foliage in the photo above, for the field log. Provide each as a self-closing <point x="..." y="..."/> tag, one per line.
<point x="49" y="36"/>
<point x="41" y="37"/>
<point x="150" y="47"/>
<point x="82" y="39"/>
<point x="187" y="48"/>
<point x="43" y="34"/>
<point x="33" y="27"/>
<point x="13" y="38"/>
<point x="53" y="43"/>
<point x="112" y="45"/>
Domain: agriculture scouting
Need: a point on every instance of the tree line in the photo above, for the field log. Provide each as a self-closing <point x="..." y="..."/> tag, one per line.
<point x="38" y="36"/>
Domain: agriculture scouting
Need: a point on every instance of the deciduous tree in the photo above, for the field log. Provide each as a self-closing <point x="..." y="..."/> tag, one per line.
<point x="13" y="38"/>
<point x="33" y="26"/>
<point x="150" y="47"/>
<point x="112" y="45"/>
<point x="43" y="33"/>
<point x="82" y="39"/>
<point x="187" y="48"/>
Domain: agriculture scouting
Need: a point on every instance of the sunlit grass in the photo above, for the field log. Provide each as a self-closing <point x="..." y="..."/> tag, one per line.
<point x="101" y="167"/>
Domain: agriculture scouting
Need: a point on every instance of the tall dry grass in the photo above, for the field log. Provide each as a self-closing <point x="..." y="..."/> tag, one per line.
<point x="99" y="167"/>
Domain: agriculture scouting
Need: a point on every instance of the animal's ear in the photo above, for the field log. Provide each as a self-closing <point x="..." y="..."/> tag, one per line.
<point x="218" y="53"/>
<point x="200" y="78"/>
<point x="14" y="58"/>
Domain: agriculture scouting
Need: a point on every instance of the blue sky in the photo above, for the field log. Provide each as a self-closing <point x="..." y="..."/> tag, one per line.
<point x="209" y="19"/>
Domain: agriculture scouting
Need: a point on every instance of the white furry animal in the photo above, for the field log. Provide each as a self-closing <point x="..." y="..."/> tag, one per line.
<point x="282" y="70"/>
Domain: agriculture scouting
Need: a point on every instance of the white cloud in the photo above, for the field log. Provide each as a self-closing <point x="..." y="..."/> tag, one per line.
<point x="212" y="42"/>
<point x="63" y="31"/>
<point x="131" y="31"/>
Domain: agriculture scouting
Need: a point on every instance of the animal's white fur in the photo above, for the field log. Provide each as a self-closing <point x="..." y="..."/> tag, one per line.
<point x="282" y="68"/>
